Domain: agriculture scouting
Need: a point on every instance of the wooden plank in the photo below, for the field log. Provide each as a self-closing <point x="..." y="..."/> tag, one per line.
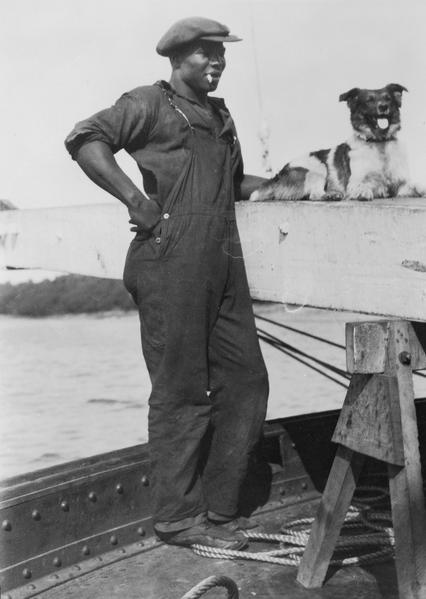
<point x="409" y="534"/>
<point x="364" y="257"/>
<point x="358" y="256"/>
<point x="369" y="421"/>
<point x="331" y="514"/>
<point x="406" y="484"/>
<point x="366" y="346"/>
<point x="417" y="334"/>
<point x="89" y="240"/>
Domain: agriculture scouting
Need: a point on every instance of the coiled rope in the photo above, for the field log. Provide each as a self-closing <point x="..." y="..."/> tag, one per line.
<point x="378" y="540"/>
<point x="210" y="582"/>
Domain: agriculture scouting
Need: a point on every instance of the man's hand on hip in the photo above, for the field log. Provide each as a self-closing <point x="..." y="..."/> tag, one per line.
<point x="144" y="216"/>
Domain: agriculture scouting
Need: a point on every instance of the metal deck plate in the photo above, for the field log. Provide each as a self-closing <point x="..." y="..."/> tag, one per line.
<point x="167" y="572"/>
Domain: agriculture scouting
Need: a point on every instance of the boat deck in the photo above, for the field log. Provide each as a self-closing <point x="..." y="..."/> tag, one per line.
<point x="104" y="503"/>
<point x="167" y="572"/>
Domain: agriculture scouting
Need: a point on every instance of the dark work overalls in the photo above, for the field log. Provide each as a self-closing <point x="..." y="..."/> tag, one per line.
<point x="209" y="383"/>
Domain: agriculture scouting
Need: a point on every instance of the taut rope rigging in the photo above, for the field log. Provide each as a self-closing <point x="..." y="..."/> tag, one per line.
<point x="301" y="356"/>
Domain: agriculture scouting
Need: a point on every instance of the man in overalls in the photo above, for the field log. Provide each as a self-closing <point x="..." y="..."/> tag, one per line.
<point x="186" y="273"/>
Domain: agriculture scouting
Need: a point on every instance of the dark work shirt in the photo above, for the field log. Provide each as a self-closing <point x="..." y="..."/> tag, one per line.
<point x="151" y="124"/>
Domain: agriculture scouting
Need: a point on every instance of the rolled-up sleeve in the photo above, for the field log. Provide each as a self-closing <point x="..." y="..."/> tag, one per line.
<point x="123" y="125"/>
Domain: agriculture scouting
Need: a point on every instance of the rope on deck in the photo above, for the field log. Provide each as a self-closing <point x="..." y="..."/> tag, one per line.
<point x="292" y="539"/>
<point x="210" y="582"/>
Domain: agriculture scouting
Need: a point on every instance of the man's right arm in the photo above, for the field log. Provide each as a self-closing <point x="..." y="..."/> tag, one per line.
<point x="94" y="141"/>
<point x="97" y="160"/>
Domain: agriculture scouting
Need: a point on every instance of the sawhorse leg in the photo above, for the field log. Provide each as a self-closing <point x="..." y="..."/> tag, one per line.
<point x="378" y="419"/>
<point x="331" y="514"/>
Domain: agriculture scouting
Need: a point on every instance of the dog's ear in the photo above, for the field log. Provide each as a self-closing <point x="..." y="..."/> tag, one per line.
<point x="396" y="90"/>
<point x="395" y="87"/>
<point x="350" y="95"/>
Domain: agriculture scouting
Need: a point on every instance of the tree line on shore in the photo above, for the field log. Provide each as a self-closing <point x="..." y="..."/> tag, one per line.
<point x="68" y="294"/>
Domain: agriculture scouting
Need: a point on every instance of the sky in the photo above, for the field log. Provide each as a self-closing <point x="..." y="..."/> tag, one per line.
<point x="62" y="60"/>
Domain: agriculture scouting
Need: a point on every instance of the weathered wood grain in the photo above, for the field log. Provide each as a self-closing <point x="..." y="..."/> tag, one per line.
<point x="378" y="419"/>
<point x="331" y="514"/>
<point x="367" y="346"/>
<point x="359" y="256"/>
<point x="370" y="419"/>
<point x="406" y="484"/>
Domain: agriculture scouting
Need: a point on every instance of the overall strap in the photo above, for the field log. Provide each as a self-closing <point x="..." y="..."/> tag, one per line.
<point x="167" y="91"/>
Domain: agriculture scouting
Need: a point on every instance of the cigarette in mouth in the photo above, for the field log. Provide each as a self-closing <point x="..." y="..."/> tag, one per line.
<point x="209" y="78"/>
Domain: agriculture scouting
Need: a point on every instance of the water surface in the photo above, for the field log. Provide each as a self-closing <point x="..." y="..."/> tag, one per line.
<point x="76" y="386"/>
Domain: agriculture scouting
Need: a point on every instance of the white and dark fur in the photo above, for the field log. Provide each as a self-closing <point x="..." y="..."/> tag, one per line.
<point x="372" y="164"/>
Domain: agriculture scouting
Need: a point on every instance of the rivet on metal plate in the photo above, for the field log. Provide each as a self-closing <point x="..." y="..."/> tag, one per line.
<point x="26" y="573"/>
<point x="145" y="481"/>
<point x="113" y="540"/>
<point x="92" y="496"/>
<point x="6" y="525"/>
<point x="65" y="506"/>
<point x="57" y="562"/>
<point x="119" y="488"/>
<point x="405" y="358"/>
<point x="141" y="531"/>
<point x="35" y="515"/>
<point x="85" y="550"/>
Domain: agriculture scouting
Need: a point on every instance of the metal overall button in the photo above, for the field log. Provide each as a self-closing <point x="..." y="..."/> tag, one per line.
<point x="166" y="215"/>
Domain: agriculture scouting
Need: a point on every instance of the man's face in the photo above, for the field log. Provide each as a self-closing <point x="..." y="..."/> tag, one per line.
<point x="201" y="65"/>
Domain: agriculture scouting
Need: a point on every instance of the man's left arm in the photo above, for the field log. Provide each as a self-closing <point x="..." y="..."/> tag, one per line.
<point x="244" y="184"/>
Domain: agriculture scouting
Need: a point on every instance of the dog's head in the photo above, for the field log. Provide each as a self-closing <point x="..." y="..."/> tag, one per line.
<point x="375" y="112"/>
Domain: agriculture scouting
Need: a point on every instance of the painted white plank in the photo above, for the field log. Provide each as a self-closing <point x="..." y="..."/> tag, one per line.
<point x="89" y="240"/>
<point x="366" y="257"/>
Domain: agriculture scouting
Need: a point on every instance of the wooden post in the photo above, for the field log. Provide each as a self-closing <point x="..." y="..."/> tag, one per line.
<point x="378" y="419"/>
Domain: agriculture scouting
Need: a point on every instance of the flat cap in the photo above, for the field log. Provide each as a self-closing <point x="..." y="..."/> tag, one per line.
<point x="192" y="29"/>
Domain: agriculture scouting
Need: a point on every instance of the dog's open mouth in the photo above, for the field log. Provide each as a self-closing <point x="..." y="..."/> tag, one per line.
<point x="383" y="123"/>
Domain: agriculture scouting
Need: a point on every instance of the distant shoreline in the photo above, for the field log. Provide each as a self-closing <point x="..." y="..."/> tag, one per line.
<point x="65" y="295"/>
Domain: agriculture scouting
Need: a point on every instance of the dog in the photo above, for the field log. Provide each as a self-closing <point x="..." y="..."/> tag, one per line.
<point x="372" y="164"/>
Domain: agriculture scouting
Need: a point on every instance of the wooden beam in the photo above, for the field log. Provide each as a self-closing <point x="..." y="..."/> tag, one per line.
<point x="406" y="484"/>
<point x="358" y="256"/>
<point x="367" y="346"/>
<point x="332" y="510"/>
<point x="370" y="420"/>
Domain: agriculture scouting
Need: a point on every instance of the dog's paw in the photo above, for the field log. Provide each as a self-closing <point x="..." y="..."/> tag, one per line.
<point x="260" y="195"/>
<point x="361" y="194"/>
<point x="411" y="191"/>
<point x="332" y="196"/>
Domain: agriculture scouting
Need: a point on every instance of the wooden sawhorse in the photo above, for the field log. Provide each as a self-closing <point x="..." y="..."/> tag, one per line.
<point x="378" y="419"/>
